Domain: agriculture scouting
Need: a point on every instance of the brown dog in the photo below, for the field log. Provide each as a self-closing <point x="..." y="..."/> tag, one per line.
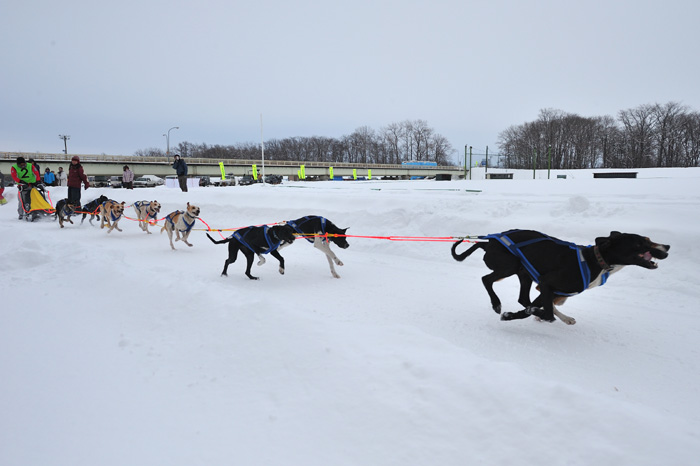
<point x="146" y="211"/>
<point x="181" y="222"/>
<point x="111" y="210"/>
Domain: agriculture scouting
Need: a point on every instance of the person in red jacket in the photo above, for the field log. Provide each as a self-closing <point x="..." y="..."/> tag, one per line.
<point x="26" y="176"/>
<point x="76" y="176"/>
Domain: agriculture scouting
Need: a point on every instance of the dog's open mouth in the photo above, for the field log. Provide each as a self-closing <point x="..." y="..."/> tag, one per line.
<point x="648" y="260"/>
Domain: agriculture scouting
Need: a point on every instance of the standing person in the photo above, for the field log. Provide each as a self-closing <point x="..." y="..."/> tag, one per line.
<point x="3" y="201"/>
<point x="49" y="177"/>
<point x="181" y="169"/>
<point x="128" y="178"/>
<point x="38" y="168"/>
<point x="61" y="177"/>
<point x="76" y="176"/>
<point x="26" y="176"/>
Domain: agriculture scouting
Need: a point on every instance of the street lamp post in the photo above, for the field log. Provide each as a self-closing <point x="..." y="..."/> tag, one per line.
<point x="167" y="140"/>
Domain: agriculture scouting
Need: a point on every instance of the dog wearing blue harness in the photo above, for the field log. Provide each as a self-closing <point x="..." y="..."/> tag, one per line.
<point x="321" y="232"/>
<point x="180" y="222"/>
<point x="111" y="212"/>
<point x="256" y="240"/>
<point x="145" y="212"/>
<point x="560" y="269"/>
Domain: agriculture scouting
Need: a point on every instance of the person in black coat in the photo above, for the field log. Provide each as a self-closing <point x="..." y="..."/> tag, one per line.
<point x="181" y="170"/>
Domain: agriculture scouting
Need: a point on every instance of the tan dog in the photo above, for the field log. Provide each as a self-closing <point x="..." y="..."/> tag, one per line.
<point x="111" y="210"/>
<point x="146" y="211"/>
<point x="181" y="222"/>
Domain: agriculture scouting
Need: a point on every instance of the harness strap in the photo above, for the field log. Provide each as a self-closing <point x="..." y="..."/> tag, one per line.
<point x="272" y="245"/>
<point x="297" y="228"/>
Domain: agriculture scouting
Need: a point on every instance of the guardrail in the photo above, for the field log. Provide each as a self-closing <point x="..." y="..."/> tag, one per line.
<point x="127" y="159"/>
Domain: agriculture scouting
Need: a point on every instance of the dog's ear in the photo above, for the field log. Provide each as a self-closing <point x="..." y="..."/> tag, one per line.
<point x="602" y="240"/>
<point x="123" y="202"/>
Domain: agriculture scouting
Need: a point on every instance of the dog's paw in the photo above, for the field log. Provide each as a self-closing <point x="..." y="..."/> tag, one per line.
<point x="261" y="260"/>
<point x="335" y="275"/>
<point x="507" y="316"/>
<point x="338" y="262"/>
<point x="568" y="320"/>
<point x="497" y="308"/>
<point x="281" y="271"/>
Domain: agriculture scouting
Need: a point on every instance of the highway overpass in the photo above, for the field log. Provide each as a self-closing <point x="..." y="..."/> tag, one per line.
<point x="162" y="166"/>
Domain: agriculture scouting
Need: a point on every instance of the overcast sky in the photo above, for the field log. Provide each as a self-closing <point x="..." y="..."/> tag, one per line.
<point x="115" y="76"/>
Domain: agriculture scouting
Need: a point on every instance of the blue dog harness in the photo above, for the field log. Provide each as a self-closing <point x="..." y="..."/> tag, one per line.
<point x="271" y="246"/>
<point x="296" y="226"/>
<point x="514" y="249"/>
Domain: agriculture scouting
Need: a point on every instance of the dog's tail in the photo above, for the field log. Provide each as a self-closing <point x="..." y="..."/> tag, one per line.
<point x="226" y="240"/>
<point x="467" y="253"/>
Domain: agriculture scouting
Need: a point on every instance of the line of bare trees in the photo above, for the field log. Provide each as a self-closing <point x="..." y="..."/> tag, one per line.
<point x="393" y="144"/>
<point x="647" y="136"/>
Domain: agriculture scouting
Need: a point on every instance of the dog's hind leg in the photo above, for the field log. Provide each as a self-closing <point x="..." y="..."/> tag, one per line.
<point x="261" y="260"/>
<point x="232" y="256"/>
<point x="488" y="281"/>
<point x="249" y="263"/>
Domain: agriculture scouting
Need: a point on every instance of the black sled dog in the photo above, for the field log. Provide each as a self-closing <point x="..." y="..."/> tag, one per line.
<point x="92" y="209"/>
<point x="252" y="241"/>
<point x="561" y="269"/>
<point x="320" y="226"/>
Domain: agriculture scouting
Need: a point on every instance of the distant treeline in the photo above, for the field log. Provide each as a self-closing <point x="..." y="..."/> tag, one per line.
<point x="393" y="144"/>
<point x="647" y="136"/>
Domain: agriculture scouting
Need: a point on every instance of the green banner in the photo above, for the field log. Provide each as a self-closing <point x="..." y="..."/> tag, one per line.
<point x="255" y="172"/>
<point x="354" y="173"/>
<point x="369" y="174"/>
<point x="330" y="171"/>
<point x="223" y="172"/>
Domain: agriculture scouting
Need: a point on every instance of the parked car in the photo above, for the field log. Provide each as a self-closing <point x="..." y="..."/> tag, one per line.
<point x="100" y="181"/>
<point x="142" y="182"/>
<point x="204" y="180"/>
<point x="273" y="179"/>
<point x="229" y="181"/>
<point x="246" y="180"/>
<point x="156" y="179"/>
<point x="116" y="181"/>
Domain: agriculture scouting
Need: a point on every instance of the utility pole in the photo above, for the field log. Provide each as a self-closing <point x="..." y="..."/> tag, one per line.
<point x="465" y="161"/>
<point x="65" y="138"/>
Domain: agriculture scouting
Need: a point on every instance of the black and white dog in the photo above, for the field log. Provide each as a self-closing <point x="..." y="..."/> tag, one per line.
<point x="64" y="210"/>
<point x="253" y="241"/>
<point x="561" y="269"/>
<point x="319" y="227"/>
<point x="92" y="208"/>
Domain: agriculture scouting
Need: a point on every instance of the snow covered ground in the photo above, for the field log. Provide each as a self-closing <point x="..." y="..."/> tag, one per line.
<point x="116" y="350"/>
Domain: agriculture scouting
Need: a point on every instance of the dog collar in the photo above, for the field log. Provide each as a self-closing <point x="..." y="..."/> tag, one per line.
<point x="601" y="262"/>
